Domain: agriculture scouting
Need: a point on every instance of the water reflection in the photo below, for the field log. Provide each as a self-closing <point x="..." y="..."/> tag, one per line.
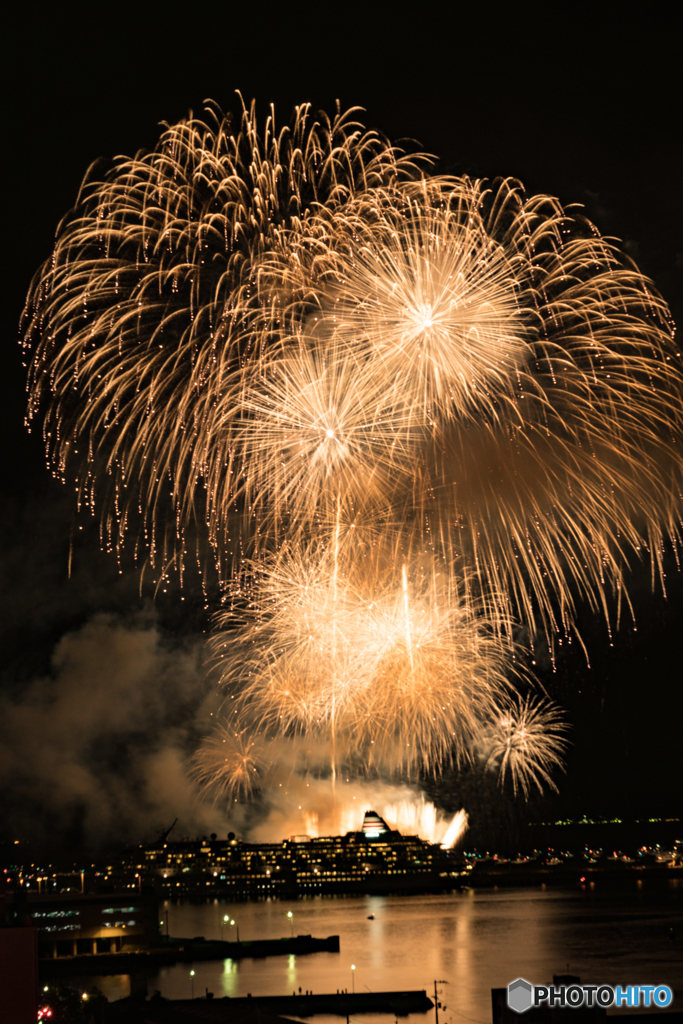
<point x="229" y="978"/>
<point x="291" y="973"/>
<point x="473" y="940"/>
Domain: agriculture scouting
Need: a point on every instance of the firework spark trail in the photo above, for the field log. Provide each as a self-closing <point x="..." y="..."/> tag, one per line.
<point x="300" y="342"/>
<point x="455" y="830"/>
<point x="406" y="612"/>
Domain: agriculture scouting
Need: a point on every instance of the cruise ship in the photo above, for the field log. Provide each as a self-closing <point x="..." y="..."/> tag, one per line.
<point x="375" y="860"/>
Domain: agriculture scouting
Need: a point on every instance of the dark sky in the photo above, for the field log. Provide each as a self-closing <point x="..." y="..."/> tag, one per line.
<point x="586" y="107"/>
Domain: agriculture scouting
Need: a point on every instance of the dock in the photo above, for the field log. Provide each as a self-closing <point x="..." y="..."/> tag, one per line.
<point x="174" y="951"/>
<point x="270" y="1009"/>
<point x="340" y="1003"/>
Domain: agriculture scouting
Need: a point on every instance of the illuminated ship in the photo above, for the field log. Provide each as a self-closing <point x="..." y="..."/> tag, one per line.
<point x="375" y="860"/>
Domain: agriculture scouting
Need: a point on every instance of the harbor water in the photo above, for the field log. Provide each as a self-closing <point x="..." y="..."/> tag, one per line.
<point x="469" y="942"/>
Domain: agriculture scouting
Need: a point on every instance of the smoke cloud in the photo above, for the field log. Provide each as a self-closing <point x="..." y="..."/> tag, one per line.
<point x="96" y="753"/>
<point x="300" y="805"/>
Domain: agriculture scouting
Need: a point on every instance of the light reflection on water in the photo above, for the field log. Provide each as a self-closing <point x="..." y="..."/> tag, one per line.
<point x="475" y="940"/>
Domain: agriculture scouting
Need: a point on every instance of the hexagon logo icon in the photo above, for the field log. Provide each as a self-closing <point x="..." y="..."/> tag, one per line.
<point x="520" y="995"/>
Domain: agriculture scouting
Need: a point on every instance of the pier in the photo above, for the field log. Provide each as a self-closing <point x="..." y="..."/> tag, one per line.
<point x="341" y="1003"/>
<point x="173" y="951"/>
<point x="268" y="1009"/>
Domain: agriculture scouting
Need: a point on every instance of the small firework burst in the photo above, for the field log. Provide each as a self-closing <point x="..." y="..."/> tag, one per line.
<point x="524" y="739"/>
<point x="231" y="764"/>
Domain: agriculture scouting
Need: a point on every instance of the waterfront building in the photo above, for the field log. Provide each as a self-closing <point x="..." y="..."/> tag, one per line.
<point x="70" y="924"/>
<point x="18" y="961"/>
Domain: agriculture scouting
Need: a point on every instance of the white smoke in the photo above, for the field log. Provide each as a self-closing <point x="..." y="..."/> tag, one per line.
<point x="308" y="806"/>
<point x="97" y="751"/>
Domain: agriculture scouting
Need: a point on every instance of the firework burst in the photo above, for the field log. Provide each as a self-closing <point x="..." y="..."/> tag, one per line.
<point x="432" y="301"/>
<point x="242" y="332"/>
<point x="345" y="372"/>
<point x="231" y="764"/>
<point x="314" y="430"/>
<point x="159" y="300"/>
<point x="394" y="666"/>
<point x="535" y="380"/>
<point x="524" y="740"/>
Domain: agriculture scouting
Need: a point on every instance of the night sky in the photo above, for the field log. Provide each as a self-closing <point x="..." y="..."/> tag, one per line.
<point x="585" y="107"/>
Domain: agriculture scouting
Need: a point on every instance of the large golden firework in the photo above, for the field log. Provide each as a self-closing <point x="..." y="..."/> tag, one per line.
<point x="306" y="347"/>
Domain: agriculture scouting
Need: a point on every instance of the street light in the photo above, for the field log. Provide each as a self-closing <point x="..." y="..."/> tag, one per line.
<point x="353" y="979"/>
<point x="192" y="981"/>
<point x="437" y="1004"/>
<point x="290" y="915"/>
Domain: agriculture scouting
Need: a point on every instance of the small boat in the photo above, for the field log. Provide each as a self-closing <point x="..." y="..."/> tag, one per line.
<point x="371" y="917"/>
